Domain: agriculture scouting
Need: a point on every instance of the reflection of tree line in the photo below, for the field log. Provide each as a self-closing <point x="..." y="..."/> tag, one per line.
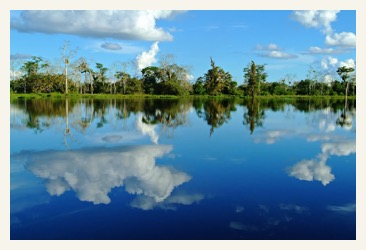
<point x="170" y="113"/>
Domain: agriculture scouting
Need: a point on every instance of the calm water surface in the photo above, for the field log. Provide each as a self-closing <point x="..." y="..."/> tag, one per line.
<point x="183" y="169"/>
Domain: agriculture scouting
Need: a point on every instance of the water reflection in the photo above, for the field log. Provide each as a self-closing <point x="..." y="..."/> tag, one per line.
<point x="345" y="119"/>
<point x="92" y="173"/>
<point x="40" y="115"/>
<point x="215" y="112"/>
<point x="316" y="169"/>
<point x="254" y="116"/>
<point x="301" y="136"/>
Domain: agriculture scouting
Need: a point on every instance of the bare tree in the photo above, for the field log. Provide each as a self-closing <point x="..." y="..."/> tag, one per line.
<point x="67" y="54"/>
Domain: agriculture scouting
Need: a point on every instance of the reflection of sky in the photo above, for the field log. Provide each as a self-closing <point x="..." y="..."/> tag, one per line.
<point x="321" y="127"/>
<point x="236" y="180"/>
<point x="316" y="169"/>
<point x="92" y="173"/>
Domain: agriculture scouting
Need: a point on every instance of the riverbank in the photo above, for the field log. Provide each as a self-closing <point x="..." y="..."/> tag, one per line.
<point x="145" y="96"/>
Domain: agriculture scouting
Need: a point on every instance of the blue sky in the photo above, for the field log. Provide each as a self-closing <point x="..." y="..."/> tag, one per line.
<point x="288" y="42"/>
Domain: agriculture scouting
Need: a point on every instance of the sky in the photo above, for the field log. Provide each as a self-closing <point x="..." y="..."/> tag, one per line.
<point x="289" y="43"/>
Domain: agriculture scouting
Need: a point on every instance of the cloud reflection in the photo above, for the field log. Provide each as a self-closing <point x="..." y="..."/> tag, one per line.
<point x="147" y="129"/>
<point x="92" y="173"/>
<point x="272" y="136"/>
<point x="316" y="169"/>
<point x="148" y="203"/>
<point x="348" y="208"/>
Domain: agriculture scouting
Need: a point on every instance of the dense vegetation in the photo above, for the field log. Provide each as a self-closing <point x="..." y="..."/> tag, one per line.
<point x="39" y="114"/>
<point x="38" y="76"/>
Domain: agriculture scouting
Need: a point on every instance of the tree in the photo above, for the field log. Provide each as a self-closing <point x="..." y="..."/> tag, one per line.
<point x="122" y="78"/>
<point x="99" y="78"/>
<point x="67" y="54"/>
<point x="254" y="116"/>
<point x="31" y="72"/>
<point x="83" y="68"/>
<point x="151" y="76"/>
<point x="344" y="73"/>
<point x="254" y="75"/>
<point x="216" y="79"/>
<point x="198" y="86"/>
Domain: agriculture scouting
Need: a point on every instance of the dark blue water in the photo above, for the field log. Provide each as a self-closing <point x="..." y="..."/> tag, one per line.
<point x="183" y="169"/>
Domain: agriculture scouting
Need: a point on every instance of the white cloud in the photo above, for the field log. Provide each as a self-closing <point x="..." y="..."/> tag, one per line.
<point x="279" y="55"/>
<point x="310" y="170"/>
<point x="328" y="78"/>
<point x="273" y="51"/>
<point x="147" y="129"/>
<point x="321" y="19"/>
<point x="147" y="58"/>
<point x="272" y="136"/>
<point x="323" y="51"/>
<point x="270" y="46"/>
<point x="340" y="148"/>
<point x="328" y="61"/>
<point x="330" y="65"/>
<point x="119" y="24"/>
<point x="92" y="173"/>
<point x="349" y="63"/>
<point x="15" y="74"/>
<point x="317" y="169"/>
<point x="344" y="39"/>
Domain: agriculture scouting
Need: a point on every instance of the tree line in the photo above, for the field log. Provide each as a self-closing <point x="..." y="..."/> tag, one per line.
<point x="39" y="114"/>
<point x="38" y="76"/>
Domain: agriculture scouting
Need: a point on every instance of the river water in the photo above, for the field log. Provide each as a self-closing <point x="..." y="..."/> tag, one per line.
<point x="183" y="169"/>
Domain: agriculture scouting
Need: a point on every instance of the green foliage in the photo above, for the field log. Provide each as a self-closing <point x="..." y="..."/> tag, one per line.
<point x="170" y="79"/>
<point x="254" y="76"/>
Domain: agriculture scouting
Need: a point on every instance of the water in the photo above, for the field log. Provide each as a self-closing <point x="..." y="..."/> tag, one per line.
<point x="183" y="169"/>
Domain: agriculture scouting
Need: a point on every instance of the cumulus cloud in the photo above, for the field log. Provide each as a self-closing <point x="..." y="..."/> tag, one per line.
<point x="273" y="51"/>
<point x="118" y="24"/>
<point x="320" y="19"/>
<point x="316" y="169"/>
<point x="147" y="129"/>
<point x="344" y="39"/>
<point x="310" y="170"/>
<point x="111" y="46"/>
<point x="330" y="65"/>
<point x="349" y="63"/>
<point x="147" y="58"/>
<point x="329" y="61"/>
<point x="340" y="148"/>
<point x="92" y="173"/>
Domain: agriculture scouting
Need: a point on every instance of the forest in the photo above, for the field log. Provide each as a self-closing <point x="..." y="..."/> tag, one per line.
<point x="38" y="75"/>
